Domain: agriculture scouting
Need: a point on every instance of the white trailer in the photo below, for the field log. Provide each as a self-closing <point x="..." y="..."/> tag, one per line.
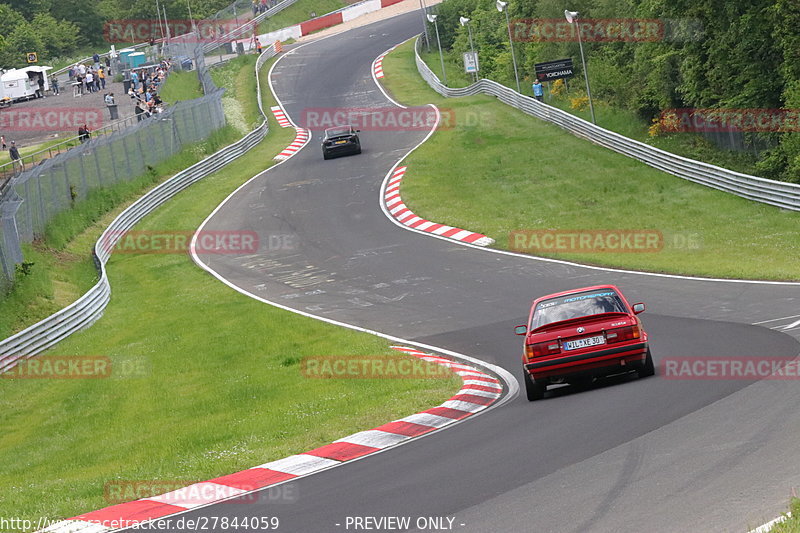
<point x="17" y="85"/>
<point x="35" y="72"/>
<point x="23" y="84"/>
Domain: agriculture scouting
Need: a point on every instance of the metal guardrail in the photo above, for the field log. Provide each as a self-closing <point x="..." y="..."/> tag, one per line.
<point x="778" y="193"/>
<point x="89" y="307"/>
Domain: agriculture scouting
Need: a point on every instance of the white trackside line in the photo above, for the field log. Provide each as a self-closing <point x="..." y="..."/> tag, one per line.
<point x="775" y="319"/>
<point x="461" y="405"/>
<point x="487" y="384"/>
<point x="461" y="234"/>
<point x="299" y="464"/>
<point x="476" y="392"/>
<point x="766" y="528"/>
<point x="443" y="229"/>
<point x="792" y="325"/>
<point x="197" y="494"/>
<point x="374" y="438"/>
<point x="427" y="419"/>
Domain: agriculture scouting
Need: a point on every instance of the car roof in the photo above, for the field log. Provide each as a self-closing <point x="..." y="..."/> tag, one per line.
<point x="573" y="291"/>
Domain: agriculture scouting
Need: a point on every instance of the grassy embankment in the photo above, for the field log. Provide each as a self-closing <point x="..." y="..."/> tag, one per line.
<point x="498" y="171"/>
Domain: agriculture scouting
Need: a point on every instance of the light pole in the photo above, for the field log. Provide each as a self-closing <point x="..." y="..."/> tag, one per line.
<point x="424" y="9"/>
<point x="432" y="18"/>
<point x="572" y="16"/>
<point x="503" y="6"/>
<point x="465" y="22"/>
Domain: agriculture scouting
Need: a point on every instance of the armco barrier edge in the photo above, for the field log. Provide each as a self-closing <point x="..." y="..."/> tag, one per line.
<point x="89" y="307"/>
<point x="777" y="193"/>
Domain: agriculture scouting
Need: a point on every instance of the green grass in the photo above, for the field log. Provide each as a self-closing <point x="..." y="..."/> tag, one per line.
<point x="619" y="120"/>
<point x="28" y="150"/>
<point x="500" y="170"/>
<point x="299" y="12"/>
<point x="791" y="524"/>
<point x="181" y="86"/>
<point x="220" y="388"/>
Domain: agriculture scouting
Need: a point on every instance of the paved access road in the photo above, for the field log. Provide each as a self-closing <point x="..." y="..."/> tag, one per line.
<point x="636" y="455"/>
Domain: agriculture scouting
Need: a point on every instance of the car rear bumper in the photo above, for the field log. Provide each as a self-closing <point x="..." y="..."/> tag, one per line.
<point x="337" y="149"/>
<point x="600" y="362"/>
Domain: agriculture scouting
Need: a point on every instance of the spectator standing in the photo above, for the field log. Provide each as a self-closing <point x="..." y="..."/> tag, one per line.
<point x="96" y="81"/>
<point x="84" y="133"/>
<point x="108" y="65"/>
<point x="89" y="81"/>
<point x="40" y="82"/>
<point x="96" y="59"/>
<point x="54" y="84"/>
<point x="71" y="73"/>
<point x="13" y="152"/>
<point x="79" y="83"/>
<point x="3" y="141"/>
<point x="134" y="80"/>
<point x="538" y="89"/>
<point x="101" y="75"/>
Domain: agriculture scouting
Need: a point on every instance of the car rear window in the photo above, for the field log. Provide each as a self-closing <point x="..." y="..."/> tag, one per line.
<point x="577" y="305"/>
<point x="333" y="132"/>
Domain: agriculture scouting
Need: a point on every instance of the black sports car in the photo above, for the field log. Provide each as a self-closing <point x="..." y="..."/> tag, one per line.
<point x="340" y="140"/>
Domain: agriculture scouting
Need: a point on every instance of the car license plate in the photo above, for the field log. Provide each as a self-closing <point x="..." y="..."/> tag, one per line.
<point x="341" y="142"/>
<point x="584" y="343"/>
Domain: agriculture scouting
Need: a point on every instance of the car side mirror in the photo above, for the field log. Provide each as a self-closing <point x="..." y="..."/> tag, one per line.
<point x="521" y="330"/>
<point x="638" y="308"/>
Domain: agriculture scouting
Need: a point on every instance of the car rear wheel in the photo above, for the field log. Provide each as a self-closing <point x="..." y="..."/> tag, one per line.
<point x="648" y="368"/>
<point x="534" y="390"/>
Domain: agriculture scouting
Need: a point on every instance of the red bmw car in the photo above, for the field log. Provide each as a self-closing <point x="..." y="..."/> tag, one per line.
<point x="574" y="336"/>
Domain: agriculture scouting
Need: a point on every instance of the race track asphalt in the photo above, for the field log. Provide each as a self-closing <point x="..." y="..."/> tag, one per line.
<point x="626" y="455"/>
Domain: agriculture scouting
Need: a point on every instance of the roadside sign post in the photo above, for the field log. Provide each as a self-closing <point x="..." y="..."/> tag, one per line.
<point x="471" y="63"/>
<point x="554" y="70"/>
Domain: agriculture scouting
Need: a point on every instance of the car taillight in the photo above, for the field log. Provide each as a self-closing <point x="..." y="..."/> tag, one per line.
<point x="623" y="334"/>
<point x="541" y="349"/>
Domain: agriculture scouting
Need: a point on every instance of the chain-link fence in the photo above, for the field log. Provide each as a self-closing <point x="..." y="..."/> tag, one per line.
<point x="33" y="197"/>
